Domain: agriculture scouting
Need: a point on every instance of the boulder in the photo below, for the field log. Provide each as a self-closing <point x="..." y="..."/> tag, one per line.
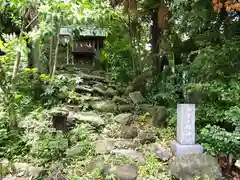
<point x="123" y="118"/>
<point x="71" y="121"/>
<point x="90" y="117"/>
<point x="125" y="108"/>
<point x="161" y="152"/>
<point x="92" y="77"/>
<point x="27" y="169"/>
<point x="74" y="151"/>
<point x="10" y="177"/>
<point x="104" y="146"/>
<point x="127" y="144"/>
<point x="119" y="100"/>
<point x="90" y="98"/>
<point x="158" y="113"/>
<point x="56" y="174"/>
<point x="83" y="89"/>
<point x="136" y="97"/>
<point x="189" y="166"/>
<point x="146" y="137"/>
<point x="96" y="164"/>
<point x="122" y="172"/>
<point x="98" y="90"/>
<point x="138" y="84"/>
<point x="111" y="92"/>
<point x="131" y="154"/>
<point x="72" y="108"/>
<point x="91" y="82"/>
<point x="159" y="116"/>
<point x="128" y="132"/>
<point x="104" y="106"/>
<point x="100" y="73"/>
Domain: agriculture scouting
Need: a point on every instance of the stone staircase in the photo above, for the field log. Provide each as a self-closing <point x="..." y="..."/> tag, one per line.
<point x="118" y="120"/>
<point x="126" y="132"/>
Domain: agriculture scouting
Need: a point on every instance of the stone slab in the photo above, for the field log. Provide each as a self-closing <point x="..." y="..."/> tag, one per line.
<point x="180" y="149"/>
<point x="136" y="97"/>
<point x="186" y="124"/>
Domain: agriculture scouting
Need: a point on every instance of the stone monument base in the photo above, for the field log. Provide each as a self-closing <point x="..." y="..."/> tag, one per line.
<point x="180" y="149"/>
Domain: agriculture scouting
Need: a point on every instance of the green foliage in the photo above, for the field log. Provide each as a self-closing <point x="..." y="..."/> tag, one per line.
<point x="9" y="141"/>
<point x="46" y="145"/>
<point x="43" y="142"/>
<point x="80" y="137"/>
<point x="117" y="55"/>
<point x="211" y="73"/>
<point x="153" y="168"/>
<point x="215" y="72"/>
<point x="165" y="92"/>
<point x="57" y="90"/>
<point x="204" y="70"/>
<point x="193" y="18"/>
<point x="220" y="141"/>
<point x="49" y="147"/>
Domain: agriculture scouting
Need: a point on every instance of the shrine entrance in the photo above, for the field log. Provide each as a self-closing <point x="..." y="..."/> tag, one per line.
<point x="86" y="45"/>
<point x="86" y="51"/>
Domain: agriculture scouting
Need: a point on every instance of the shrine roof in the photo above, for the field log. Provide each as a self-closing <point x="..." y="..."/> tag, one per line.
<point x="90" y="31"/>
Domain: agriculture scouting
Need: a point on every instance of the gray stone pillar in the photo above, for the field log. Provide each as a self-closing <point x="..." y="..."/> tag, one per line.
<point x="185" y="131"/>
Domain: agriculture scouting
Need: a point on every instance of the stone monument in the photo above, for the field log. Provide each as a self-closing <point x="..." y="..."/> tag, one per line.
<point x="185" y="131"/>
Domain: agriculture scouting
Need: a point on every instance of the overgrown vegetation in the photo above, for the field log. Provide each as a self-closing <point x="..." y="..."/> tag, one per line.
<point x="194" y="58"/>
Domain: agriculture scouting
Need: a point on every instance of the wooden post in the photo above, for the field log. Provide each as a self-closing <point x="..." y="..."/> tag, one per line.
<point x="97" y="59"/>
<point x="67" y="52"/>
<point x="93" y="44"/>
<point x="73" y="48"/>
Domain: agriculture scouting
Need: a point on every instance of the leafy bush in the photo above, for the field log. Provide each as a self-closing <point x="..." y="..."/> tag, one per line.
<point x="212" y="83"/>
<point x="49" y="147"/>
<point x="117" y="55"/>
<point x="153" y="168"/>
<point x="80" y="136"/>
<point x="220" y="141"/>
<point x="57" y="90"/>
<point x="214" y="75"/>
<point x="11" y="144"/>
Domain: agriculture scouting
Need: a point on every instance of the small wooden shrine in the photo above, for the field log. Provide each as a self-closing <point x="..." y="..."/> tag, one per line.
<point x="86" y="46"/>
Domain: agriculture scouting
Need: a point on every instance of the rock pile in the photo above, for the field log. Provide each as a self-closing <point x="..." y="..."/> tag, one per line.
<point x="130" y="138"/>
<point x="123" y="133"/>
<point x="101" y="96"/>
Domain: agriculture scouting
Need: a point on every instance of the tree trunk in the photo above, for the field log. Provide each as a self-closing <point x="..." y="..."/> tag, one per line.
<point x="30" y="58"/>
<point x="12" y="112"/>
<point x="56" y="51"/>
<point x="35" y="45"/>
<point x="50" y="55"/>
<point x="155" y="38"/>
<point x="131" y="35"/>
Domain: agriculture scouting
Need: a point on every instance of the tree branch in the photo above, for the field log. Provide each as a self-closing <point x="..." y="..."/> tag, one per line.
<point x="32" y="21"/>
